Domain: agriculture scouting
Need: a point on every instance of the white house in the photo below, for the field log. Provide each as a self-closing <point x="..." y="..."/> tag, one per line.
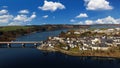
<point x="99" y="48"/>
<point x="96" y="40"/>
<point x="76" y="32"/>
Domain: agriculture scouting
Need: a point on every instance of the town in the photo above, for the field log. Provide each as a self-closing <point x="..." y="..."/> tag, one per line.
<point x="84" y="39"/>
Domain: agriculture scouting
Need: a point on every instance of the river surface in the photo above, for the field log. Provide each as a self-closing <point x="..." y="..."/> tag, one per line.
<point x="33" y="58"/>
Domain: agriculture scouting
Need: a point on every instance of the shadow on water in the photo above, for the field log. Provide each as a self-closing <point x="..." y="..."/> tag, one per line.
<point x="33" y="58"/>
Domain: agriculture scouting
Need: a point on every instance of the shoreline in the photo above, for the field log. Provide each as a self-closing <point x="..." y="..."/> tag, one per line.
<point x="79" y="54"/>
<point x="85" y="43"/>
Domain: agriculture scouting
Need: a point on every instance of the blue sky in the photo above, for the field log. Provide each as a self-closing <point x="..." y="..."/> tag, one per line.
<point x="38" y="12"/>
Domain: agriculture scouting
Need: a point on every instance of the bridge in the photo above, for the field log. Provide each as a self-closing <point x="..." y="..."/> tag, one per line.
<point x="23" y="43"/>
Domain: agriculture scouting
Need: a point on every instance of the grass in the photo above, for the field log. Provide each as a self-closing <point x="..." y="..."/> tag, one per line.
<point x="13" y="28"/>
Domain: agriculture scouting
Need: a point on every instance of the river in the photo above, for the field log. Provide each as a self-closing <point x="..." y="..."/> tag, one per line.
<point x="33" y="58"/>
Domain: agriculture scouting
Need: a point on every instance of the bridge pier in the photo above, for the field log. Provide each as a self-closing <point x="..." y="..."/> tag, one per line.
<point x="23" y="45"/>
<point x="8" y="45"/>
<point x="35" y="44"/>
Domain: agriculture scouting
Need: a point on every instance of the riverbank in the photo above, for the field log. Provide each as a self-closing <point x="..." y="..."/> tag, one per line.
<point x="88" y="53"/>
<point x="9" y="33"/>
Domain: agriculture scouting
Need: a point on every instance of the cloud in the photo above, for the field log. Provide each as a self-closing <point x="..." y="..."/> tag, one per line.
<point x="88" y="22"/>
<point x="97" y="5"/>
<point x="23" y="11"/>
<point x="45" y="16"/>
<point x="21" y="19"/>
<point x="24" y="18"/>
<point x="3" y="11"/>
<point x="82" y="15"/>
<point x="44" y="23"/>
<point x="15" y="23"/>
<point x="72" y="20"/>
<point x="5" y="18"/>
<point x="51" y="6"/>
<point x="106" y="20"/>
<point x="33" y="16"/>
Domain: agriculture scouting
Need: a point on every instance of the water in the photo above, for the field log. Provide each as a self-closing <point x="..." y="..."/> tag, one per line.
<point x="39" y="36"/>
<point x="33" y="58"/>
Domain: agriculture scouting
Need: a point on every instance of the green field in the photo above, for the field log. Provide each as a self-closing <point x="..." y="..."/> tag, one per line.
<point x="13" y="28"/>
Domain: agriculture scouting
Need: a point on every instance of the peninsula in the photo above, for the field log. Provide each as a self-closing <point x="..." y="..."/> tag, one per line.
<point x="102" y="42"/>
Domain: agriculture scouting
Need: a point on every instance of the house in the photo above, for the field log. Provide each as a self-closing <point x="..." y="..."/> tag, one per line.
<point x="83" y="48"/>
<point x="99" y="48"/>
<point x="95" y="41"/>
<point x="76" y="32"/>
<point x="109" y="42"/>
<point x="50" y="45"/>
<point x="71" y="45"/>
<point x="66" y="48"/>
<point x="118" y="29"/>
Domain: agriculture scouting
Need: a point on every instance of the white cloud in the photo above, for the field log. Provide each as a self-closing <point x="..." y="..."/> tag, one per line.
<point x="5" y="18"/>
<point x="72" y="20"/>
<point x="24" y="18"/>
<point x="45" y="16"/>
<point x="33" y="16"/>
<point x="118" y="20"/>
<point x="44" y="23"/>
<point x="15" y="23"/>
<point x="88" y="22"/>
<point x="106" y="20"/>
<point x="3" y="11"/>
<point x="82" y="15"/>
<point x="97" y="5"/>
<point x="23" y="11"/>
<point x="21" y="19"/>
<point x="80" y="23"/>
<point x="51" y="6"/>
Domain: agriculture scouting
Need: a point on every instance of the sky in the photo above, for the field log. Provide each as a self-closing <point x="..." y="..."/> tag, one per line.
<point x="40" y="12"/>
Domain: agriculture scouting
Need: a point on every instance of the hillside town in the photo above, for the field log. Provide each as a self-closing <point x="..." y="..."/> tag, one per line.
<point x="85" y="39"/>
